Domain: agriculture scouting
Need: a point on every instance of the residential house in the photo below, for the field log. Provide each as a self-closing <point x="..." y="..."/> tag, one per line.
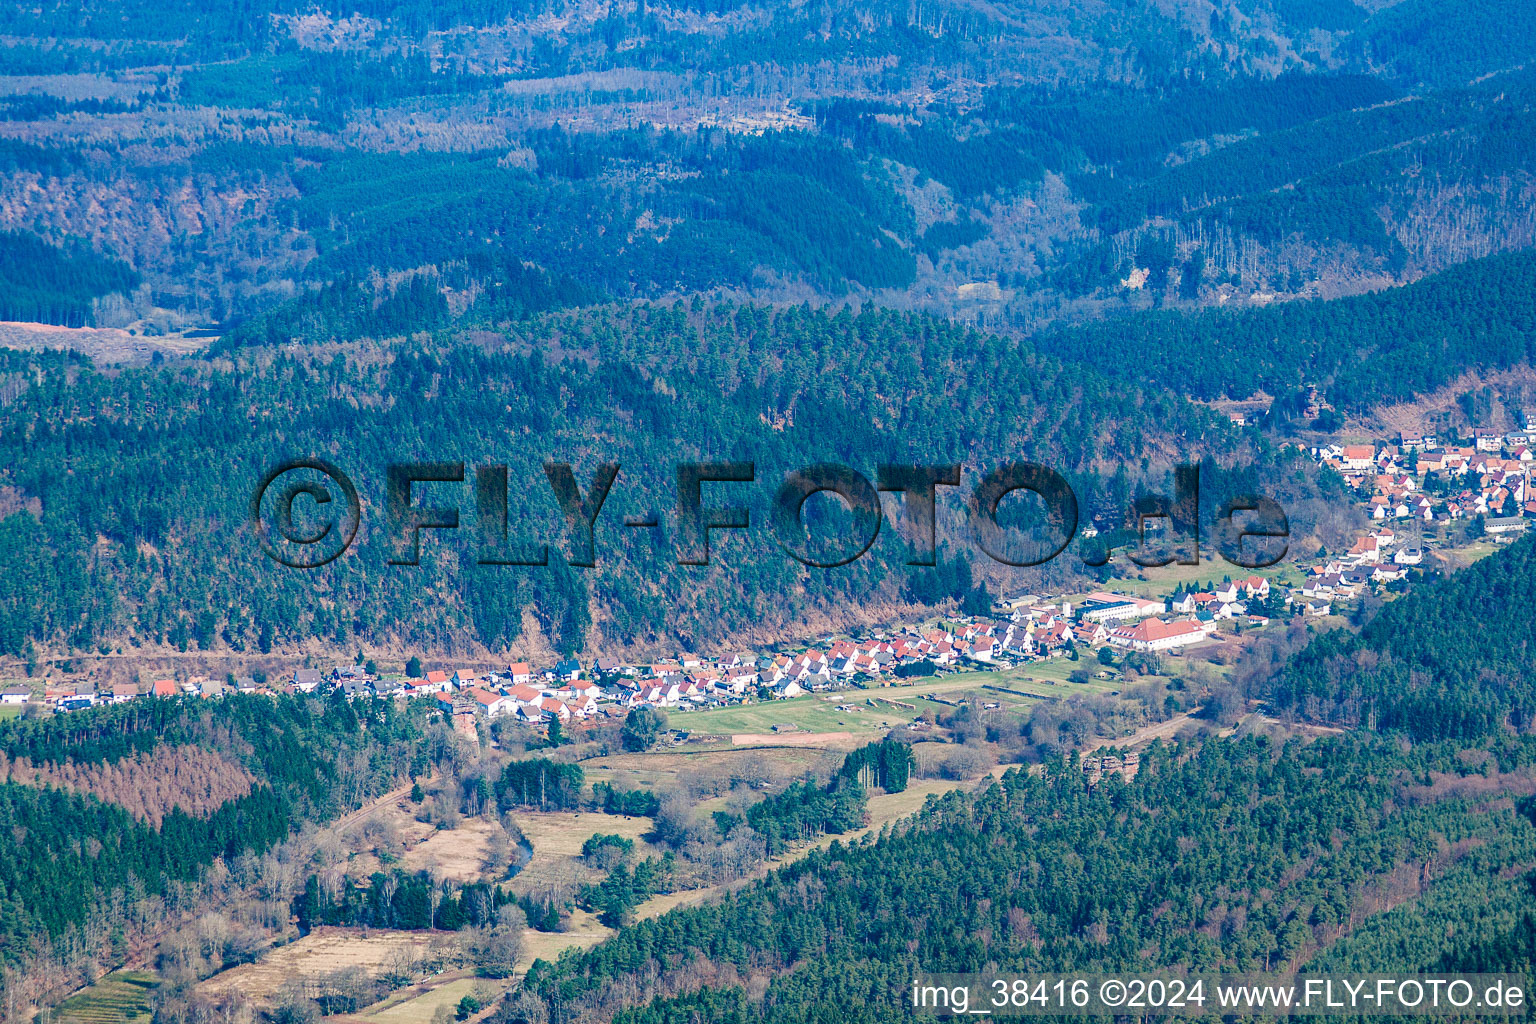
<point x="1366" y="551"/>
<point x="1255" y="588"/>
<point x="556" y="709"/>
<point x="1090" y="633"/>
<point x="492" y="705"/>
<point x="1053" y="637"/>
<point x="523" y="695"/>
<point x="1357" y="456"/>
<point x="585" y="688"/>
<point x="786" y="688"/>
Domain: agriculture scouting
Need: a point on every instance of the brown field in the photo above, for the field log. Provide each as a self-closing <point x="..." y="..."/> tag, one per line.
<point x="418" y="1004"/>
<point x="103" y="344"/>
<point x="556" y="838"/>
<point x="676" y="767"/>
<point x="321" y="951"/>
<point x="458" y="854"/>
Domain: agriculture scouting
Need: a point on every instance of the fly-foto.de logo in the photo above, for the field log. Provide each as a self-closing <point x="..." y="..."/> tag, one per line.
<point x="306" y="513"/>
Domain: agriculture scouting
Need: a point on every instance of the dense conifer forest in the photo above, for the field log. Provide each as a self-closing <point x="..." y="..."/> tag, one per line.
<point x="646" y="387"/>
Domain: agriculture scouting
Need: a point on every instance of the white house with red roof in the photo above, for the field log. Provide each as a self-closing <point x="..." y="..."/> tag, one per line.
<point x="523" y="695"/>
<point x="492" y="705"/>
<point x="1257" y="586"/>
<point x="1157" y="635"/>
<point x="1357" y="456"/>
<point x="555" y="708"/>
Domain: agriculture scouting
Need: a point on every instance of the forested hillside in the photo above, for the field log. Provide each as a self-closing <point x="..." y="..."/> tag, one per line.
<point x="1450" y="660"/>
<point x="1366" y="351"/>
<point x="1011" y="170"/>
<point x="310" y="759"/>
<point x="43" y="283"/>
<point x="646" y="388"/>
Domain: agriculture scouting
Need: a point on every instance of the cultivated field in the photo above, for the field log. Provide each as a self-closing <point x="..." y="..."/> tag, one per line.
<point x="121" y="998"/>
<point x="684" y="767"/>
<point x="421" y="1002"/>
<point x="846" y="718"/>
<point x="806" y="714"/>
<point x="321" y="951"/>
<point x="827" y="740"/>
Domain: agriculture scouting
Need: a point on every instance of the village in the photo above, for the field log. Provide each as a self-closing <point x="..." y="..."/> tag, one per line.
<point x="1410" y="491"/>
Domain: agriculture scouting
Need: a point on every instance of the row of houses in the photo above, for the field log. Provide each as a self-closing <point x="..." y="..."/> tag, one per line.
<point x="1475" y="482"/>
<point x="84" y="695"/>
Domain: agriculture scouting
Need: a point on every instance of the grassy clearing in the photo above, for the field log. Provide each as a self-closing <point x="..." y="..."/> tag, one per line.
<point x="820" y="713"/>
<point x="663" y="767"/>
<point x="556" y="838"/>
<point x="8" y="711"/>
<point x="459" y="853"/>
<point x="420" y="1009"/>
<point x="321" y="951"/>
<point x="809" y="714"/>
<point x="582" y="930"/>
<point x="1164" y="580"/>
<point x="1041" y="678"/>
<point x="121" y="998"/>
